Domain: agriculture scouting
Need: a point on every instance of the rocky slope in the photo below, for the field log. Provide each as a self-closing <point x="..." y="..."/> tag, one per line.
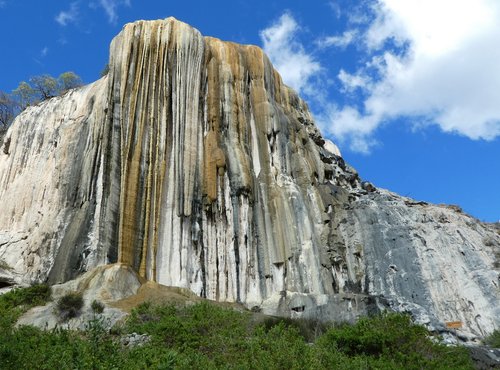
<point x="194" y="164"/>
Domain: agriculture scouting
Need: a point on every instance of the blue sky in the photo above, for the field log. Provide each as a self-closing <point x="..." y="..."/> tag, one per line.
<point x="408" y="89"/>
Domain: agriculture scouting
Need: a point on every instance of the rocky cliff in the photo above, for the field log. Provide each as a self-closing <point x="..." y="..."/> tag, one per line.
<point x="194" y="164"/>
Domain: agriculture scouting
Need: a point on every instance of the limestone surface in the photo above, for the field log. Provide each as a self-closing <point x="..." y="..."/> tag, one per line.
<point x="104" y="284"/>
<point x="192" y="163"/>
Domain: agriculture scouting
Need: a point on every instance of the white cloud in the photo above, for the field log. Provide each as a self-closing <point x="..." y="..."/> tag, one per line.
<point x="432" y="62"/>
<point x="340" y="41"/>
<point x="351" y="82"/>
<point x="44" y="52"/>
<point x="350" y="126"/>
<point x="110" y="7"/>
<point x="296" y="66"/>
<point x="68" y="16"/>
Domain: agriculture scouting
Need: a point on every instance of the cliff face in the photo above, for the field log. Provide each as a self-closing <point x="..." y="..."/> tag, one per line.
<point x="193" y="163"/>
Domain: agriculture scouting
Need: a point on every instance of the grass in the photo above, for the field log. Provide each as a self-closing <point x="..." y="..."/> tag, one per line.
<point x="205" y="336"/>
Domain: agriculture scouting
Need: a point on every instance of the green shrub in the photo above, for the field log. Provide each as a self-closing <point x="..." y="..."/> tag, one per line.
<point x="19" y="300"/>
<point x="59" y="349"/>
<point x="70" y="305"/>
<point x="97" y="307"/>
<point x="493" y="339"/>
<point x="151" y="357"/>
<point x="213" y="332"/>
<point x="35" y="295"/>
<point x="309" y="329"/>
<point x="393" y="340"/>
<point x="279" y="347"/>
<point x="374" y="336"/>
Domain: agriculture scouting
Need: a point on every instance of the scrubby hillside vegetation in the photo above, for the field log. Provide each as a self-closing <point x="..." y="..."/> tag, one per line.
<point x="206" y="336"/>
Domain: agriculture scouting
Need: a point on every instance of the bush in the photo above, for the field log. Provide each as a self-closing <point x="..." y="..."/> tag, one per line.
<point x="97" y="307"/>
<point x="17" y="301"/>
<point x="279" y="347"/>
<point x="70" y="305"/>
<point x="309" y="329"/>
<point x="493" y="339"/>
<point x="213" y="332"/>
<point x="391" y="340"/>
<point x="35" y="295"/>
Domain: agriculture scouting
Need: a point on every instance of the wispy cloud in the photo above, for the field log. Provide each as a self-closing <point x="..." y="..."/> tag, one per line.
<point x="335" y="6"/>
<point x="62" y="40"/>
<point x="341" y="41"/>
<point x="110" y="8"/>
<point x="68" y="16"/>
<point x="40" y="56"/>
<point x="296" y="66"/>
<point x="352" y="82"/>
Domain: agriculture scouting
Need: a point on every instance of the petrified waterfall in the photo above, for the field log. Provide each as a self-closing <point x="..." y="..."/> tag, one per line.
<point x="193" y="163"/>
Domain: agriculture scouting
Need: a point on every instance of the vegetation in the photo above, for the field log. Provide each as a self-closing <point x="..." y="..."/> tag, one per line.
<point x="6" y="109"/>
<point x="209" y="337"/>
<point x="97" y="307"/>
<point x="493" y="340"/>
<point x="70" y="305"/>
<point x="7" y="112"/>
<point x="14" y="303"/>
<point x="39" y="88"/>
<point x="43" y="87"/>
<point x="68" y="81"/>
<point x="105" y="70"/>
<point x="4" y="265"/>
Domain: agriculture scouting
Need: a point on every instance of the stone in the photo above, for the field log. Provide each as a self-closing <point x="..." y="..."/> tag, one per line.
<point x="107" y="284"/>
<point x="193" y="164"/>
<point x="135" y="340"/>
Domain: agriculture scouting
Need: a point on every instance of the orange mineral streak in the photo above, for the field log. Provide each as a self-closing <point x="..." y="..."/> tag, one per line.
<point x="454" y="324"/>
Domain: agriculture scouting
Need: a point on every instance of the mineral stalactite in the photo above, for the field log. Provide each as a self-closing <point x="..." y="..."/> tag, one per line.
<point x="194" y="164"/>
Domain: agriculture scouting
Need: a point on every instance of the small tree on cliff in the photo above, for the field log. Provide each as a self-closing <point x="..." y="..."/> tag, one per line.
<point x="7" y="110"/>
<point x="24" y="95"/>
<point x="68" y="81"/>
<point x="44" y="87"/>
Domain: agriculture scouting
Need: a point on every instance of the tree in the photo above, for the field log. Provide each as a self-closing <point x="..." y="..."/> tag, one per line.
<point x="68" y="81"/>
<point x="45" y="86"/>
<point x="25" y="95"/>
<point x="7" y="110"/>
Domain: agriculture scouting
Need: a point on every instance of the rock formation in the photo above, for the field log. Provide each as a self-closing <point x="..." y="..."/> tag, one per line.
<point x="194" y="164"/>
